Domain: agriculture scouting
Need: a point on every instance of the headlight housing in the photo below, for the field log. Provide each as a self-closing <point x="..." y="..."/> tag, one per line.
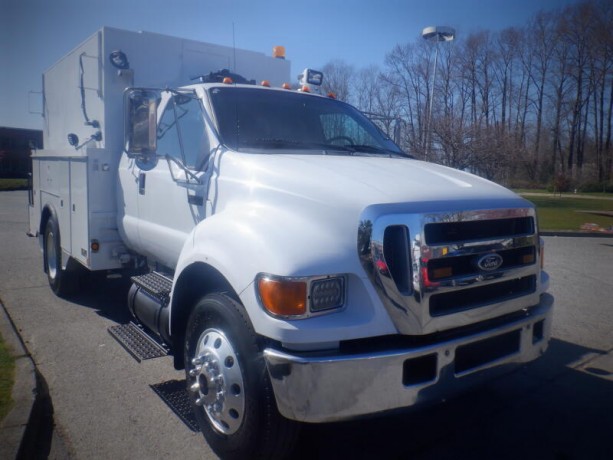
<point x="300" y="297"/>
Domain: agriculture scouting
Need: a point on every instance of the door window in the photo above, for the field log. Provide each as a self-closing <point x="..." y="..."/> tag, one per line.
<point x="182" y="133"/>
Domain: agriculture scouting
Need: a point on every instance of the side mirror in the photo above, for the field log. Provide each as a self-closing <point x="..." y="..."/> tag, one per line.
<point x="140" y="117"/>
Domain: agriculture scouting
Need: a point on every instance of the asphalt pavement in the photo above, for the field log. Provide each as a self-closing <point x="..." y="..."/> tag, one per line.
<point x="96" y="401"/>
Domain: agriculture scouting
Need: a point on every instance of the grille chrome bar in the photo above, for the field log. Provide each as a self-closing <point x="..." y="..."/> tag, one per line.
<point x="452" y="250"/>
<point x="459" y="283"/>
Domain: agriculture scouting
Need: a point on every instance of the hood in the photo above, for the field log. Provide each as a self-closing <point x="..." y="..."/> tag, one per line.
<point x="353" y="182"/>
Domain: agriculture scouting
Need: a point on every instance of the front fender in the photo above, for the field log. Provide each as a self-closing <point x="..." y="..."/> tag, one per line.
<point x="248" y="239"/>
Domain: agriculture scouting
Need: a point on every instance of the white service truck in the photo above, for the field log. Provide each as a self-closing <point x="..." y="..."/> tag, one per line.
<point x="297" y="263"/>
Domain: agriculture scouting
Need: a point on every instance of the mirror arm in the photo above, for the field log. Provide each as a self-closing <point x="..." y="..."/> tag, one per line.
<point x="188" y="173"/>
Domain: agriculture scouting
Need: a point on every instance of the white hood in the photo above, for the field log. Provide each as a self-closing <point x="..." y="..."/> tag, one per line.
<point x="352" y="181"/>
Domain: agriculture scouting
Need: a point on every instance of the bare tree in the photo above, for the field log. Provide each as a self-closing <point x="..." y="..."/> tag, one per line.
<point x="338" y="78"/>
<point x="408" y="71"/>
<point x="530" y="103"/>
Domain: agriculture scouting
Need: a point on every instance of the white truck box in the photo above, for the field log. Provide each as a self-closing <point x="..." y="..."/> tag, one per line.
<point x="83" y="95"/>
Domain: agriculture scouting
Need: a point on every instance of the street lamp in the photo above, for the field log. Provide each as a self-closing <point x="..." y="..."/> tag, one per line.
<point x="437" y="34"/>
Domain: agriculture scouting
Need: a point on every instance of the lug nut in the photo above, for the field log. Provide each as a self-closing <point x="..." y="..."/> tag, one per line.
<point x="199" y="402"/>
<point x="195" y="387"/>
<point x="197" y="361"/>
<point x="195" y="371"/>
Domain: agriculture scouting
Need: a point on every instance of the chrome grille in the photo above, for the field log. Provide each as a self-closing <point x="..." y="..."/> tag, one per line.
<point x="428" y="268"/>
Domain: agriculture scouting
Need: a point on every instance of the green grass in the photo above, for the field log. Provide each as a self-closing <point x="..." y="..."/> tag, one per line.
<point x="560" y="213"/>
<point x="530" y="190"/>
<point x="7" y="377"/>
<point x="13" y="184"/>
<point x="542" y="191"/>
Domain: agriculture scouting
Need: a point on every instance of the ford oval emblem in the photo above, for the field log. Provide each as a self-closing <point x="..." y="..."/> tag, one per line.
<point x="489" y="262"/>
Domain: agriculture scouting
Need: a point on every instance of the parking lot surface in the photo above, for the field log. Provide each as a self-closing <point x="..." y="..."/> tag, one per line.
<point x="104" y="404"/>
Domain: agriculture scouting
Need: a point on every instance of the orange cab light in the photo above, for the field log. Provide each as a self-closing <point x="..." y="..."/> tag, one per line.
<point x="265" y="83"/>
<point x="227" y="81"/>
<point x="278" y="52"/>
<point x="331" y="95"/>
<point x="305" y="89"/>
<point x="283" y="297"/>
<point x="286" y="86"/>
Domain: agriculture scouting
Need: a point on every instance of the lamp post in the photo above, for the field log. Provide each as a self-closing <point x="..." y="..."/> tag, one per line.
<point x="437" y="34"/>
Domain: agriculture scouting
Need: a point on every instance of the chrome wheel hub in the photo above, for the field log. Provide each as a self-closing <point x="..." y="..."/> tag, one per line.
<point x="51" y="256"/>
<point x="217" y="381"/>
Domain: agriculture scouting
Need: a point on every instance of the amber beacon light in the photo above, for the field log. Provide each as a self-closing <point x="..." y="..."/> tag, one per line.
<point x="278" y="52"/>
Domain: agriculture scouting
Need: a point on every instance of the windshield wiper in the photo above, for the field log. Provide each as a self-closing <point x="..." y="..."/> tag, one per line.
<point x="373" y="149"/>
<point x="301" y="145"/>
<point x="348" y="149"/>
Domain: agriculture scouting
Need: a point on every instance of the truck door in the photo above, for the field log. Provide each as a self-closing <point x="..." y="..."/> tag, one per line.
<point x="170" y="195"/>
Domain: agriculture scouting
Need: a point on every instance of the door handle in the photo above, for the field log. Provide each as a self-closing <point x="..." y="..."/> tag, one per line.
<point x="195" y="200"/>
<point x="141" y="183"/>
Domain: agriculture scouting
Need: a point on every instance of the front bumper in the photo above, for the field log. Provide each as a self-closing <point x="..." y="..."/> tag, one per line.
<point x="340" y="387"/>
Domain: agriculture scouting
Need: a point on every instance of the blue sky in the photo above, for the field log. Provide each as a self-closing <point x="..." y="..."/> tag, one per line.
<point x="36" y="33"/>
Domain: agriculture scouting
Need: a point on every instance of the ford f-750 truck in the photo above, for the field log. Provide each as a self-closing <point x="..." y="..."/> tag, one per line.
<point x="297" y="263"/>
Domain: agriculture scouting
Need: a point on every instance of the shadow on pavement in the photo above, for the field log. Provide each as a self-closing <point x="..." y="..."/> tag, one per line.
<point x="545" y="410"/>
<point x="108" y="296"/>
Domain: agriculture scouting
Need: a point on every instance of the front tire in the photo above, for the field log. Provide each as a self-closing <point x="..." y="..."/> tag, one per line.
<point x="229" y="387"/>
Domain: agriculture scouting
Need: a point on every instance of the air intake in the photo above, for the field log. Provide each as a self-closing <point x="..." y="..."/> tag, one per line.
<point x="396" y="255"/>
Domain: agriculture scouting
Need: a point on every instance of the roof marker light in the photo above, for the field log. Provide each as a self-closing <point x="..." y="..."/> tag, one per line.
<point x="265" y="83"/>
<point x="227" y="81"/>
<point x="305" y="89"/>
<point x="286" y="86"/>
<point x="331" y="95"/>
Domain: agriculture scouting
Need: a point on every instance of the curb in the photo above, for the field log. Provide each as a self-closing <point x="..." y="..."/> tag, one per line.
<point x="14" y="428"/>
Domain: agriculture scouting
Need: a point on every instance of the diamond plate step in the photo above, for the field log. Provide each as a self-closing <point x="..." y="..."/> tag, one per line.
<point x="174" y="394"/>
<point x="137" y="342"/>
<point x="155" y="284"/>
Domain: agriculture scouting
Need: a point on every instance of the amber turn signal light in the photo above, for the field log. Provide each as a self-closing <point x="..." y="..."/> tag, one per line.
<point x="283" y="297"/>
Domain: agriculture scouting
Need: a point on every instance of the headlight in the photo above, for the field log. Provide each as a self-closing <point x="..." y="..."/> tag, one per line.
<point x="303" y="297"/>
<point x="327" y="294"/>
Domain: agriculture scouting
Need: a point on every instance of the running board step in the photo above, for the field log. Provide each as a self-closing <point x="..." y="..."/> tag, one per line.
<point x="156" y="285"/>
<point x="137" y="342"/>
<point x="174" y="394"/>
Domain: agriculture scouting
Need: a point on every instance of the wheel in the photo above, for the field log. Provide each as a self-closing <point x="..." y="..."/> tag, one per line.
<point x="62" y="281"/>
<point x="229" y="387"/>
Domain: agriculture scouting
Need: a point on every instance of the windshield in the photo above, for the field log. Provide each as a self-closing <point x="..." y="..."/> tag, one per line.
<point x="255" y="119"/>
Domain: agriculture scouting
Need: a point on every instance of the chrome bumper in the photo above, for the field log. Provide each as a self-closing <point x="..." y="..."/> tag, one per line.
<point x="340" y="387"/>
